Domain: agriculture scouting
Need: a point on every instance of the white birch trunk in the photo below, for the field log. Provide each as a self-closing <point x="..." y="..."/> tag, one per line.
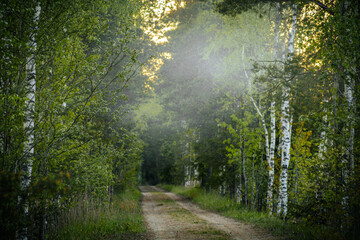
<point x="224" y="183"/>
<point x="196" y="176"/>
<point x="266" y="132"/>
<point x="253" y="183"/>
<point x="349" y="83"/>
<point x="187" y="176"/>
<point x="286" y="128"/>
<point x="244" y="173"/>
<point x="29" y="124"/>
<point x="222" y="189"/>
<point x="322" y="146"/>
<point x="271" y="161"/>
<point x="348" y="161"/>
<point x="283" y="59"/>
<point x="269" y="149"/>
<point x="323" y="136"/>
<point x="238" y="190"/>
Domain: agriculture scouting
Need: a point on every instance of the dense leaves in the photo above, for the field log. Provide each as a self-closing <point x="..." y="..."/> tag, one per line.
<point x="64" y="68"/>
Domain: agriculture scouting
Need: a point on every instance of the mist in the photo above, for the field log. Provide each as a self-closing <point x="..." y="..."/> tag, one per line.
<point x="211" y="61"/>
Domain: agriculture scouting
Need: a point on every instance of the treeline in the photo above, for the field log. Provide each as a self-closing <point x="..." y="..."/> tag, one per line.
<point x="65" y="140"/>
<point x="261" y="103"/>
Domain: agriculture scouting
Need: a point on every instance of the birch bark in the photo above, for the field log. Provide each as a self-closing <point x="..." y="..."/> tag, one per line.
<point x="266" y="133"/>
<point x="350" y="125"/>
<point x="348" y="160"/>
<point x="243" y="156"/>
<point x="29" y="123"/>
<point x="285" y="126"/>
<point x="349" y="92"/>
<point x="323" y="136"/>
<point x="271" y="161"/>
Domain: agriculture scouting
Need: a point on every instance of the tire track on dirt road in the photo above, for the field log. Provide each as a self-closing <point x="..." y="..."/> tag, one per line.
<point x="169" y="216"/>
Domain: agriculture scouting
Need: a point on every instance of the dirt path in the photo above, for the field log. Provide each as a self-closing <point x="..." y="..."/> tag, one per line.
<point x="170" y="216"/>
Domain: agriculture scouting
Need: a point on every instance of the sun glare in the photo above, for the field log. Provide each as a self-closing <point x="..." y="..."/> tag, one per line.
<point x="306" y="41"/>
<point x="155" y="27"/>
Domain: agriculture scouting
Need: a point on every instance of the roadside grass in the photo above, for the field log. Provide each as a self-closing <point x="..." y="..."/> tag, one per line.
<point x="122" y="219"/>
<point x="228" y="207"/>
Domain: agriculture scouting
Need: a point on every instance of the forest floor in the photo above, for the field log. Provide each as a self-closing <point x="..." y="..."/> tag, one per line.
<point x="170" y="216"/>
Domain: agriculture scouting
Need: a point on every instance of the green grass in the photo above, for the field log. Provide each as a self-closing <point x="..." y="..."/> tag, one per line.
<point x="121" y="220"/>
<point x="228" y="207"/>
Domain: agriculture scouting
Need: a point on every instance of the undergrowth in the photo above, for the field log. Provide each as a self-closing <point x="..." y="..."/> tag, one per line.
<point x="228" y="207"/>
<point x="122" y="219"/>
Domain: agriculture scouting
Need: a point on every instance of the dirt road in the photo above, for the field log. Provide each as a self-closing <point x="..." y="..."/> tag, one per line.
<point x="169" y="216"/>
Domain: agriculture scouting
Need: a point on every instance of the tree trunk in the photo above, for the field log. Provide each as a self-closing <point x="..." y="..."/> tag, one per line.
<point x="285" y="126"/>
<point x="244" y="173"/>
<point x="271" y="160"/>
<point x="349" y="85"/>
<point x="323" y="135"/>
<point x="253" y="184"/>
<point x="29" y="124"/>
<point x="238" y="189"/>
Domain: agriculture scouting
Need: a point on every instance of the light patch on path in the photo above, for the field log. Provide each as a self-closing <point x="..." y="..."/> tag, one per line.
<point x="170" y="216"/>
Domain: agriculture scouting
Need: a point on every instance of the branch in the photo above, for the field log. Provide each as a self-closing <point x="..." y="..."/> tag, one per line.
<point x="323" y="6"/>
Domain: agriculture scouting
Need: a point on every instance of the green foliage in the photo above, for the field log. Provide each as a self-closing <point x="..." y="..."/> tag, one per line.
<point x="234" y="7"/>
<point x="85" y="55"/>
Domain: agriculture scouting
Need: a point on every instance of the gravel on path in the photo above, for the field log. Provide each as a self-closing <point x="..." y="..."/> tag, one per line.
<point x="170" y="216"/>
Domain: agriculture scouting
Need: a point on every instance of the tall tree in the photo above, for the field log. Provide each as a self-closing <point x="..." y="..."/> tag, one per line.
<point x="286" y="122"/>
<point x="29" y="125"/>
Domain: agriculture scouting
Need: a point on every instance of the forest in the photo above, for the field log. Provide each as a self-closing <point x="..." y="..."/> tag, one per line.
<point x="255" y="101"/>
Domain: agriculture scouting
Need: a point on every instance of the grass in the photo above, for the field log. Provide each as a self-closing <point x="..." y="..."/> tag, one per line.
<point x="228" y="207"/>
<point x="121" y="220"/>
<point x="211" y="232"/>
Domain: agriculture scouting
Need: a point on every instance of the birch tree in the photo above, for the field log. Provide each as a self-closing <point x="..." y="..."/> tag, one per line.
<point x="285" y="124"/>
<point x="272" y="115"/>
<point x="349" y="85"/>
<point x="29" y="123"/>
